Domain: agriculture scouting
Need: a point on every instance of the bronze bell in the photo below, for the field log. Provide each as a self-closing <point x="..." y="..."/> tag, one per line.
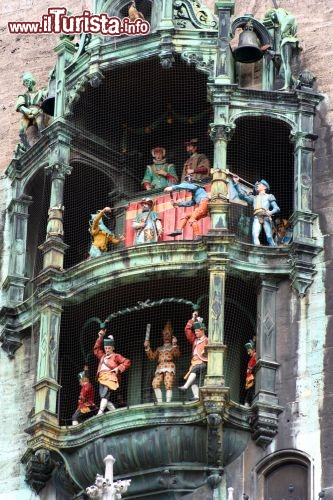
<point x="248" y="50"/>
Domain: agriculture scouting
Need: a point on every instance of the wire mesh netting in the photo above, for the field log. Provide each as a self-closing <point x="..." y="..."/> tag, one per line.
<point x="136" y="108"/>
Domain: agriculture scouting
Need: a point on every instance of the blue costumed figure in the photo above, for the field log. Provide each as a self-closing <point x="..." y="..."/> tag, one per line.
<point x="264" y="206"/>
<point x="147" y="224"/>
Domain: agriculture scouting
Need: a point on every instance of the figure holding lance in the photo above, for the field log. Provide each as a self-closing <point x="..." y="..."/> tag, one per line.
<point x="264" y="207"/>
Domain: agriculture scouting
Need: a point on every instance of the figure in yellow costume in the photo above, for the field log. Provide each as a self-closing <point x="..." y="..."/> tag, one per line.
<point x="101" y="234"/>
<point x="166" y="368"/>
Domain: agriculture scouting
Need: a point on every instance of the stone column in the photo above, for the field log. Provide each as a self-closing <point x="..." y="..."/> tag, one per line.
<point x="265" y="403"/>
<point x="46" y="385"/>
<point x="266" y="341"/>
<point x="303" y="160"/>
<point x="166" y="19"/>
<point x="65" y="50"/>
<point x="224" y="72"/>
<point x="219" y="204"/>
<point x="54" y="247"/>
<point x="218" y="240"/>
<point x="16" y="279"/>
<point x="304" y="247"/>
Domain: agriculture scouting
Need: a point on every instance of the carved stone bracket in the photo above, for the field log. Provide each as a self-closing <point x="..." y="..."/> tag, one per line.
<point x="95" y="78"/>
<point x="214" y="400"/>
<point x="203" y="62"/>
<point x="191" y="14"/>
<point x="166" y="51"/>
<point x="304" y="140"/>
<point x="264" y="423"/>
<point x="39" y="468"/>
<point x="302" y="268"/>
<point x="10" y="343"/>
<point x="73" y="94"/>
<point x="55" y="224"/>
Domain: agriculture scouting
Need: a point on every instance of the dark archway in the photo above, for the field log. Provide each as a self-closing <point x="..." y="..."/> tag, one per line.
<point x="261" y="149"/>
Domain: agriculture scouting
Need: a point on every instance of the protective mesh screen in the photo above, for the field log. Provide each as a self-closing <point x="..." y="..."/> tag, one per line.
<point x="136" y="108"/>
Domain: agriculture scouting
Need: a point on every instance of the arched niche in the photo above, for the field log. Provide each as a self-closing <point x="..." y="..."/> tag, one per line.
<point x="38" y="188"/>
<point x="88" y="189"/>
<point x="141" y="105"/>
<point x="81" y="322"/>
<point x="260" y="148"/>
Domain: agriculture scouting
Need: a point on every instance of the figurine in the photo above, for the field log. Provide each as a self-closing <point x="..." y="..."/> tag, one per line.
<point x="195" y="332"/>
<point x="249" y="379"/>
<point x="101" y="234"/>
<point x="86" y="404"/>
<point x="133" y="12"/>
<point x="29" y="104"/>
<point x="166" y="368"/>
<point x="288" y="42"/>
<point x="282" y="231"/>
<point x="264" y="206"/>
<point x="147" y="225"/>
<point x="160" y="174"/>
<point x="199" y="200"/>
<point x="110" y="366"/>
<point x="197" y="165"/>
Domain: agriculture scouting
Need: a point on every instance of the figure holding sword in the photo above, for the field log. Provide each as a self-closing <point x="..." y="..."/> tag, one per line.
<point x="264" y="206"/>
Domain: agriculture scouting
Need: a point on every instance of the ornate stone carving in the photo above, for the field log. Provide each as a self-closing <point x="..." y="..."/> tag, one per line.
<point x="203" y="62"/>
<point x="55" y="224"/>
<point x="166" y="52"/>
<point x="215" y="477"/>
<point x="302" y="269"/>
<point x="58" y="170"/>
<point x="222" y="132"/>
<point x="96" y="78"/>
<point x="104" y="487"/>
<point x="192" y="14"/>
<point x="9" y="343"/>
<point x="73" y="95"/>
<point x="39" y="469"/>
<point x="264" y="424"/>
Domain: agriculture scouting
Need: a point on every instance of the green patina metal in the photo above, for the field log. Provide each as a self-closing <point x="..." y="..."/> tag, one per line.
<point x="217" y="431"/>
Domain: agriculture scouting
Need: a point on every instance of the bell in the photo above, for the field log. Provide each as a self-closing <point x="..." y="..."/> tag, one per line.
<point x="248" y="50"/>
<point x="49" y="102"/>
